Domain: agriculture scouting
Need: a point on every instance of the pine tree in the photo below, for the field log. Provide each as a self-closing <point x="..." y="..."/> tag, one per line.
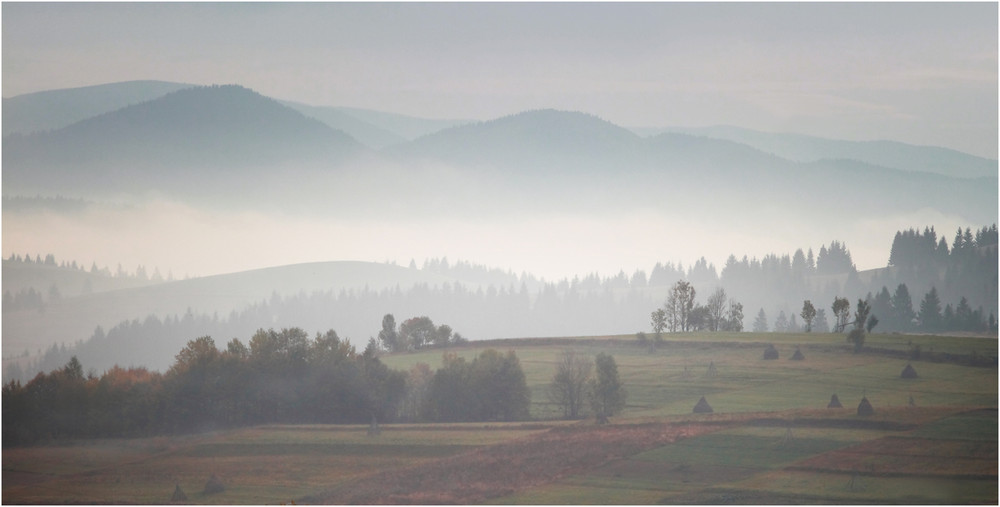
<point x="760" y="323"/>
<point x="930" y="311"/>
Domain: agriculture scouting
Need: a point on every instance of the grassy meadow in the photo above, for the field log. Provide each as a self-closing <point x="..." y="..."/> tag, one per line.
<point x="771" y="438"/>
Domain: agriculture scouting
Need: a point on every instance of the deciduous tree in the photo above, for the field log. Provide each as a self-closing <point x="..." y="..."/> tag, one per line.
<point x="569" y="385"/>
<point x="808" y="314"/>
<point x="841" y="313"/>
<point x="607" y="394"/>
<point x="716" y="307"/>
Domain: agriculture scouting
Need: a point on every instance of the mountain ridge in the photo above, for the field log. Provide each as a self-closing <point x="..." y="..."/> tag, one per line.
<point x="884" y="153"/>
<point x="224" y="127"/>
<point x="53" y="109"/>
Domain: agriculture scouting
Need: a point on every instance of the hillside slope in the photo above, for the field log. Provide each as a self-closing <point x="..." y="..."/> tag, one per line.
<point x="55" y="109"/>
<point x="226" y="128"/>
<point x="69" y="319"/>
<point x="890" y="154"/>
<point x="534" y="140"/>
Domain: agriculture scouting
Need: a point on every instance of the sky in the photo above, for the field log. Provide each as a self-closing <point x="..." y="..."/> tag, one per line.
<point x="922" y="73"/>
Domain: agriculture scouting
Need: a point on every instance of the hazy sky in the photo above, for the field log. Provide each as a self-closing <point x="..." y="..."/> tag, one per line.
<point x="920" y="73"/>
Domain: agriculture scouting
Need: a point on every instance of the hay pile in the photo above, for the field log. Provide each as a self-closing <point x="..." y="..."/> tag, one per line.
<point x="179" y="495"/>
<point x="834" y="402"/>
<point x="908" y="372"/>
<point x="771" y="352"/>
<point x="702" y="407"/>
<point x="865" y="407"/>
<point x="797" y="356"/>
<point x="711" y="370"/>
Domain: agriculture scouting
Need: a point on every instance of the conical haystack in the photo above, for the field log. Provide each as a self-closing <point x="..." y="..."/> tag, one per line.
<point x="214" y="485"/>
<point x="908" y="372"/>
<point x="865" y="407"/>
<point x="179" y="495"/>
<point x="834" y="402"/>
<point x="702" y="407"/>
<point x="797" y="356"/>
<point x="771" y="352"/>
<point x="711" y="369"/>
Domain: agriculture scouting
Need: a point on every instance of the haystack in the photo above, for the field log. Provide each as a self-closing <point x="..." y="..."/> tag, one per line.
<point x="771" y="352"/>
<point x="865" y="407"/>
<point x="711" y="369"/>
<point x="702" y="407"/>
<point x="179" y="495"/>
<point x="797" y="356"/>
<point x="834" y="402"/>
<point x="214" y="485"/>
<point x="908" y="372"/>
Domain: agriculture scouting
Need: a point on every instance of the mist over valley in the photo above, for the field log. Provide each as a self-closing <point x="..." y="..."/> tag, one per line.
<point x="499" y="253"/>
<point x="214" y="187"/>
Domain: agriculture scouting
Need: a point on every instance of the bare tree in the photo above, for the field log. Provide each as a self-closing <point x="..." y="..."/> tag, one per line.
<point x="569" y="387"/>
<point x="716" y="309"/>
<point x="679" y="305"/>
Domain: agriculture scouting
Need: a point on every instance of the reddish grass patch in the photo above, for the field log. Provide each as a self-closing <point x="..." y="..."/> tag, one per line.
<point x="502" y="469"/>
<point x="901" y="456"/>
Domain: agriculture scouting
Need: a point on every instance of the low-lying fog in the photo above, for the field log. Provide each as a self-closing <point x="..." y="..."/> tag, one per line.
<point x="189" y="240"/>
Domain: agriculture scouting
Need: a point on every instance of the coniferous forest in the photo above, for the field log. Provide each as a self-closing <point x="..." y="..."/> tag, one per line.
<point x="927" y="286"/>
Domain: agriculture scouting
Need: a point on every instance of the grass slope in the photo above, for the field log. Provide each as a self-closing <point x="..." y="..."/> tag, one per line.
<point x="770" y="440"/>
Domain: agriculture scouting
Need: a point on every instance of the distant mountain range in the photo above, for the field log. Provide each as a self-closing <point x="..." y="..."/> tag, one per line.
<point x="55" y="109"/>
<point x="224" y="141"/>
<point x="221" y="127"/>
<point x="891" y="154"/>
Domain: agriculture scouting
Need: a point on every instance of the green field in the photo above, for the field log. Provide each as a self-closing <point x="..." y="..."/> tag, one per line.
<point x="770" y="440"/>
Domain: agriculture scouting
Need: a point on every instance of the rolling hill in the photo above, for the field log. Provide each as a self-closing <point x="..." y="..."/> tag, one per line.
<point x="70" y="319"/>
<point x="55" y="109"/>
<point x="170" y="140"/>
<point x="544" y="139"/>
<point x="364" y="132"/>
<point x="375" y="129"/>
<point x="890" y="154"/>
<point x="575" y="159"/>
<point x="230" y="144"/>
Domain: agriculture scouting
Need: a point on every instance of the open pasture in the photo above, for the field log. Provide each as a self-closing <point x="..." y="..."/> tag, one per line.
<point x="771" y="439"/>
<point x="729" y="370"/>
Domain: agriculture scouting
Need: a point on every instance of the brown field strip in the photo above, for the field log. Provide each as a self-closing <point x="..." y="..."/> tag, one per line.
<point x="503" y="469"/>
<point x="916" y="457"/>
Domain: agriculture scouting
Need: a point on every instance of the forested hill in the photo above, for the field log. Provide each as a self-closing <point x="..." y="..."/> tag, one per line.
<point x="891" y="154"/>
<point x="55" y="109"/>
<point x="163" y="142"/>
<point x="232" y="146"/>
<point x="953" y="285"/>
<point x="542" y="139"/>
